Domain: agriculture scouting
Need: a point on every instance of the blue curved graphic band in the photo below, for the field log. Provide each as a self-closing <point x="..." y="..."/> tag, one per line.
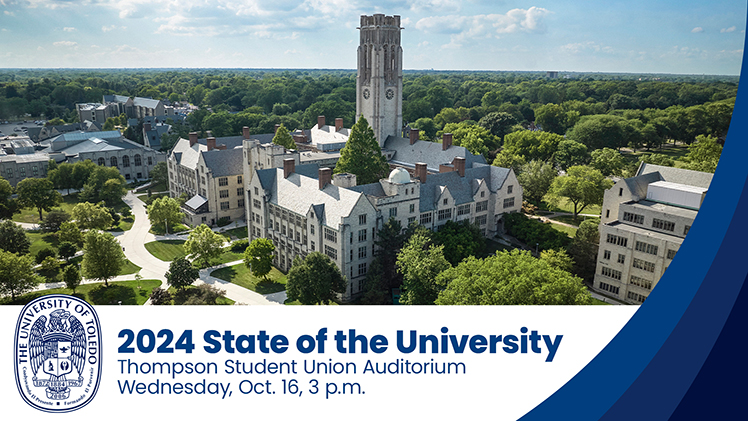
<point x="674" y="358"/>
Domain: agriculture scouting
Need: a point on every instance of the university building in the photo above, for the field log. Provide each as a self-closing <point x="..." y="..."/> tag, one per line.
<point x="645" y="219"/>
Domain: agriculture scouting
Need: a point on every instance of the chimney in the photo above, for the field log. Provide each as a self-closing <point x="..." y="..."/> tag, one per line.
<point x="221" y="147"/>
<point x="289" y="166"/>
<point x="275" y="131"/>
<point x="320" y="121"/>
<point x="147" y="127"/>
<point x="211" y="143"/>
<point x="325" y="176"/>
<point x="421" y="171"/>
<point x="414" y="136"/>
<point x="446" y="141"/>
<point x="245" y="132"/>
<point x="193" y="138"/>
<point x="338" y="124"/>
<point x="459" y="164"/>
<point x="344" y="180"/>
<point x="446" y="168"/>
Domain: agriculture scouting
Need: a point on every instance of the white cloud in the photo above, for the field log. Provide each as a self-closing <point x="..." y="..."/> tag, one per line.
<point x="69" y="29"/>
<point x="65" y="44"/>
<point x="697" y="29"/>
<point x="730" y="29"/>
<point x="108" y="28"/>
<point x="8" y="13"/>
<point x="582" y="47"/>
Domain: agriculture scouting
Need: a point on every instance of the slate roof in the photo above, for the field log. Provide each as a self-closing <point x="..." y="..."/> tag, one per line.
<point x="223" y="163"/>
<point x="677" y="175"/>
<point x="373" y="189"/>
<point x="145" y="102"/>
<point x="429" y="152"/>
<point x="462" y="189"/>
<point x="154" y="135"/>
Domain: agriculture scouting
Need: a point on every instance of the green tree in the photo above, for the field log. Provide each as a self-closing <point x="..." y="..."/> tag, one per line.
<point x="102" y="256"/>
<point x="506" y="159"/>
<point x="283" y="138"/>
<point x="181" y="273"/>
<point x="460" y="240"/>
<point x="81" y="172"/>
<point x="91" y="216"/>
<point x="160" y="297"/>
<point x="570" y="153"/>
<point x="582" y="185"/>
<point x="70" y="232"/>
<point x="258" y="257"/>
<point x="558" y="259"/>
<point x="316" y="279"/>
<point x="536" y="178"/>
<point x="599" y="131"/>
<point x="472" y="134"/>
<point x="160" y="174"/>
<point x="37" y="193"/>
<point x="203" y="244"/>
<point x="421" y="262"/>
<point x="44" y="253"/>
<point x="71" y="277"/>
<point x="607" y="161"/>
<point x="53" y="220"/>
<point x="13" y="238"/>
<point x="552" y="118"/>
<point x="427" y="128"/>
<point x="510" y="278"/>
<point x="8" y="206"/>
<point x="66" y="249"/>
<point x="657" y="159"/>
<point x="498" y="123"/>
<point x="583" y="249"/>
<point x="104" y="183"/>
<point x="16" y="274"/>
<point x="532" y="145"/>
<point x="165" y="210"/>
<point x="703" y="155"/>
<point x="362" y="155"/>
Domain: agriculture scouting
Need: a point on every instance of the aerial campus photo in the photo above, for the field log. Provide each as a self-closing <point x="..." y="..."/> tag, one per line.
<point x="412" y="152"/>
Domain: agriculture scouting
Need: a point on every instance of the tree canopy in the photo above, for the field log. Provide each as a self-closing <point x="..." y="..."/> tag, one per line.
<point x="203" y="244"/>
<point x="258" y="257"/>
<point x="582" y="185"/>
<point x="420" y="262"/>
<point x="38" y="193"/>
<point x="536" y="178"/>
<point x="283" y="138"/>
<point x="362" y="155"/>
<point x="13" y="238"/>
<point x="91" y="216"/>
<point x="16" y="274"/>
<point x="181" y="273"/>
<point x="102" y="257"/>
<point x="165" y="210"/>
<point x="316" y="279"/>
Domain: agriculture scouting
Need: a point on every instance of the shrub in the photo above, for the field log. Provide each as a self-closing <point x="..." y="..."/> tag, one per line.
<point x="160" y="297"/>
<point x="531" y="232"/>
<point x="239" y="246"/>
<point x="222" y="222"/>
<point x="44" y="253"/>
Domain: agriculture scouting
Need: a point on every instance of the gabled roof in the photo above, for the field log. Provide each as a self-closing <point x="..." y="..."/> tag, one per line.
<point x="429" y="152"/>
<point x="678" y="175"/>
<point x="145" y="102"/>
<point x="224" y="163"/>
<point x="461" y="188"/>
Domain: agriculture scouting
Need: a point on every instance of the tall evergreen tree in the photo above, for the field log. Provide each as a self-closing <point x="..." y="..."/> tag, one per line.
<point x="283" y="138"/>
<point x="362" y="155"/>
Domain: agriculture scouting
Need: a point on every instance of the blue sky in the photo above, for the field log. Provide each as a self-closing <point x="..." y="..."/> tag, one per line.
<point x="657" y="36"/>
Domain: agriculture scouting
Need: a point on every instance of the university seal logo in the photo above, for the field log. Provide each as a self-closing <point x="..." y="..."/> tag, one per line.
<point x="58" y="353"/>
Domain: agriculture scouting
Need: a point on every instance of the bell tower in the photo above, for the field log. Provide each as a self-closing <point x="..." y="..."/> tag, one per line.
<point x="379" y="83"/>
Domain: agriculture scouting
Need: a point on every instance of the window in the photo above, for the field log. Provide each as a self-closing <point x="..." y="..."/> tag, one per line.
<point x="362" y="269"/>
<point x="412" y="207"/>
<point x="223" y="181"/>
<point x="351" y="259"/>
<point x="113" y="161"/>
<point x="611" y="273"/>
<point x="23" y="172"/>
<point x="239" y="179"/>
<point x="644" y="265"/>
<point x="462" y="209"/>
<point x="482" y="194"/>
<point x="298" y="236"/>
<point x="9" y="172"/>
<point x="446" y="201"/>
<point x="685" y="229"/>
<point x="224" y="194"/>
<point x="240" y="203"/>
<point x="663" y="225"/>
<point x="607" y="213"/>
<point x="481" y="206"/>
<point x="224" y="205"/>
<point x="202" y="180"/>
<point x="444" y="214"/>
<point x="481" y="220"/>
<point x="640" y="282"/>
<point x="35" y="170"/>
<point x="362" y="252"/>
<point x="610" y="288"/>
<point x="331" y="235"/>
<point x="509" y="189"/>
<point x="606" y="255"/>
<point x="619" y="241"/>
<point x="311" y="229"/>
<point x="257" y="191"/>
<point x="620" y="191"/>
<point x="633" y="217"/>
<point x="351" y="237"/>
<point x="362" y="235"/>
<point x="646" y="248"/>
<point x="411" y="220"/>
<point x="425" y="218"/>
<point x="362" y="219"/>
<point x="102" y="162"/>
<point x="150" y="160"/>
<point x="256" y="203"/>
<point x="671" y="254"/>
<point x="393" y="212"/>
<point x="283" y="229"/>
<point x="509" y="202"/>
<point x="621" y="258"/>
<point x="312" y="244"/>
<point x="331" y="252"/>
<point x="240" y="191"/>
<point x="636" y="297"/>
<point x="125" y="161"/>
<point x="137" y="160"/>
<point x="127" y="176"/>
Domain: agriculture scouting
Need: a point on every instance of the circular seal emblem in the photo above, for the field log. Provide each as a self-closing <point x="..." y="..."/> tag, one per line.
<point x="389" y="94"/>
<point x="57" y="353"/>
<point x="367" y="94"/>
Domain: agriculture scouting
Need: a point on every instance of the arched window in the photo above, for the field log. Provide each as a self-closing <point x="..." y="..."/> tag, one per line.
<point x="125" y="161"/>
<point x="113" y="161"/>
<point x="102" y="161"/>
<point x="137" y="160"/>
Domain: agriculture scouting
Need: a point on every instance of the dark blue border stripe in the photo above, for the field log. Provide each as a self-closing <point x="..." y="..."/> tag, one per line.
<point x="607" y="377"/>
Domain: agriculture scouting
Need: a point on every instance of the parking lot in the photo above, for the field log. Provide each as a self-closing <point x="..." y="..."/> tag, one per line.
<point x="17" y="127"/>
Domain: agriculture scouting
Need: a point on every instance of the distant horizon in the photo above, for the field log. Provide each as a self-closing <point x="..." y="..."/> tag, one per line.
<point x="687" y="37"/>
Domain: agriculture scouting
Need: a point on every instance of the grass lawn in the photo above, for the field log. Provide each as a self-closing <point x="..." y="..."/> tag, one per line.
<point x="564" y="205"/>
<point x="143" y="197"/>
<point x="125" y="291"/>
<point x="166" y="250"/>
<point x="240" y="275"/>
<point x="227" y="257"/>
<point x="31" y="215"/>
<point x="596" y="302"/>
<point x="569" y="219"/>
<point x="41" y="241"/>
<point x="124" y="224"/>
<point x="674" y="152"/>
<point x="571" y="232"/>
<point x="235" y="233"/>
<point x="159" y="229"/>
<point x="492" y="247"/>
<point x="129" y="268"/>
